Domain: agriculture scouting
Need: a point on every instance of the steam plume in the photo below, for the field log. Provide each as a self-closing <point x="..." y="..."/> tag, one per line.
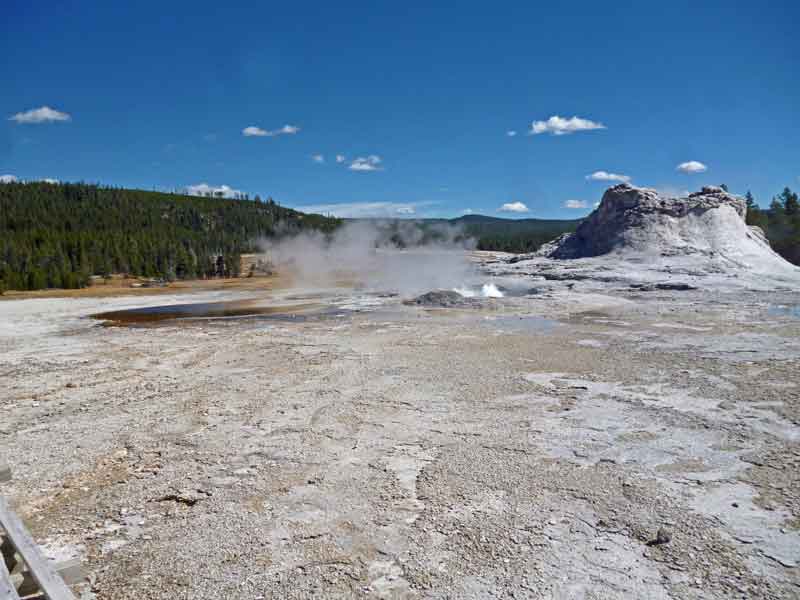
<point x="399" y="256"/>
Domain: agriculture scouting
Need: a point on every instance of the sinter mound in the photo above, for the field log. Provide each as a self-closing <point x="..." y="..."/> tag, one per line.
<point x="709" y="224"/>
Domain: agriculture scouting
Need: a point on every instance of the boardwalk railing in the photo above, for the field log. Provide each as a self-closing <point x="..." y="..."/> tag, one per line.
<point x="24" y="570"/>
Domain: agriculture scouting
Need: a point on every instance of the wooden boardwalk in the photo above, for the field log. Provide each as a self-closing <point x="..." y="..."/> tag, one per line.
<point x="24" y="570"/>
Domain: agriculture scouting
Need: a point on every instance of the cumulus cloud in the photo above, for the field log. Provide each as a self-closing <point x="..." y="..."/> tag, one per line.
<point x="44" y="114"/>
<point x="49" y="180"/>
<point x="223" y="191"/>
<point x="318" y="158"/>
<point x="606" y="176"/>
<point x="8" y="179"/>
<point x="253" y="131"/>
<point x="515" y="207"/>
<point x="692" y="166"/>
<point x="575" y="204"/>
<point x="340" y="158"/>
<point x="355" y="210"/>
<point x="366" y="163"/>
<point x="287" y="130"/>
<point x="511" y="133"/>
<point x="467" y="211"/>
<point x="556" y="125"/>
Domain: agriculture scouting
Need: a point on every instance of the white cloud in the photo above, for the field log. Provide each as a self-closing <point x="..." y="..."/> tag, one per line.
<point x="355" y="210"/>
<point x="340" y="158"/>
<point x="516" y="207"/>
<point x="606" y="176"/>
<point x="318" y="158"/>
<point x="692" y="166"/>
<point x="596" y="204"/>
<point x="467" y="211"/>
<point x="368" y="163"/>
<point x="575" y="204"/>
<point x="49" y="180"/>
<point x="288" y="130"/>
<point x="44" y="114"/>
<point x="253" y="131"/>
<point x="511" y="133"/>
<point x="203" y="189"/>
<point x="8" y="179"/>
<point x="556" y="125"/>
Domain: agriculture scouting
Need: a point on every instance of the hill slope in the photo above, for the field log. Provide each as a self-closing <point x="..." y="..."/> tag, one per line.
<point x="58" y="235"/>
<point x="513" y="235"/>
<point x="490" y="233"/>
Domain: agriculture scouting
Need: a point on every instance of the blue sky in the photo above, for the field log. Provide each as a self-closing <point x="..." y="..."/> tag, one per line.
<point x="418" y="99"/>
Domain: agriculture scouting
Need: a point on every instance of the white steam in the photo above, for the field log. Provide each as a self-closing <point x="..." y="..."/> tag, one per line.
<point x="487" y="290"/>
<point x="398" y="256"/>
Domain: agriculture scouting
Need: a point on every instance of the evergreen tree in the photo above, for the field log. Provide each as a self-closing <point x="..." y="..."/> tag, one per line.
<point x="755" y="216"/>
<point x="790" y="202"/>
<point x="777" y="213"/>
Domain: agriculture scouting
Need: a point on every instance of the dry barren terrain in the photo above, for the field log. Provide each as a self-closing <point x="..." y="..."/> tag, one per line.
<point x="563" y="443"/>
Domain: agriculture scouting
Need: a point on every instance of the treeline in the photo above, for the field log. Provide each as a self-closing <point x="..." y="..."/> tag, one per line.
<point x="780" y="222"/>
<point x="470" y="231"/>
<point x="59" y="235"/>
<point x="514" y="235"/>
<point x="517" y="243"/>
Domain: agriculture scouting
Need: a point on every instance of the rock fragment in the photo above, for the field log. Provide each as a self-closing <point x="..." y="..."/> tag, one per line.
<point x="663" y="536"/>
<point x="186" y="497"/>
<point x="442" y="299"/>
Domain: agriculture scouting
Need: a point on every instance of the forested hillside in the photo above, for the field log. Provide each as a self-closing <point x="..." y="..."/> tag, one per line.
<point x="781" y="223"/>
<point x="513" y="235"/>
<point x="58" y="235"/>
<point x="479" y="231"/>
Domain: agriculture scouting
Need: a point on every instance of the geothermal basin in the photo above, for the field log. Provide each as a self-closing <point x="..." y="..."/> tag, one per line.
<point x="531" y="445"/>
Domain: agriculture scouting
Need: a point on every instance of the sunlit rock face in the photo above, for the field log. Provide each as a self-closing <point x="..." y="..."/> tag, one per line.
<point x="639" y="220"/>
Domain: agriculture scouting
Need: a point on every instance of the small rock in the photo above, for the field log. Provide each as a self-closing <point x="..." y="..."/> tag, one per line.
<point x="188" y="497"/>
<point x="443" y="299"/>
<point x="663" y="536"/>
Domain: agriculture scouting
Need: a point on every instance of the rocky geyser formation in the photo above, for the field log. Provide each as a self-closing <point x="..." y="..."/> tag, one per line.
<point x="639" y="219"/>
